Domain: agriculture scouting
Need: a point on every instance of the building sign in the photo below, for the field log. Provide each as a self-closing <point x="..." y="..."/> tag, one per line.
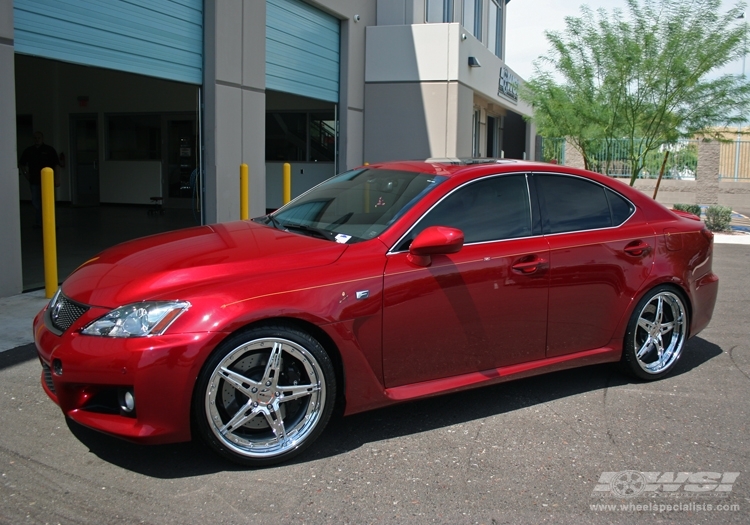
<point x="508" y="85"/>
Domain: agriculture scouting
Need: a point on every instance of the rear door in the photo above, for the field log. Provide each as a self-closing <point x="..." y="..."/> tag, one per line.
<point x="601" y="252"/>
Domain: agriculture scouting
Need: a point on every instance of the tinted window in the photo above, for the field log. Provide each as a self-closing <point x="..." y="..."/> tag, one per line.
<point x="571" y="204"/>
<point x="621" y="208"/>
<point x="488" y="210"/>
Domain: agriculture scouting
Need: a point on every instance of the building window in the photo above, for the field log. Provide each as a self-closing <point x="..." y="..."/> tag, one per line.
<point x="439" y="11"/>
<point x="133" y="137"/>
<point x="301" y="136"/>
<point x="472" y="17"/>
<point x="475" y="133"/>
<point x="494" y="136"/>
<point x="495" y="30"/>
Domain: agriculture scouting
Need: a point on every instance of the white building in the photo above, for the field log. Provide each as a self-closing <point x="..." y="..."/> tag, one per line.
<point x="138" y="95"/>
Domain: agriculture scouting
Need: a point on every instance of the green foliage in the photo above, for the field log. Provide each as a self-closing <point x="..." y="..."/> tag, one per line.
<point x="695" y="209"/>
<point x="648" y="77"/>
<point x="718" y="218"/>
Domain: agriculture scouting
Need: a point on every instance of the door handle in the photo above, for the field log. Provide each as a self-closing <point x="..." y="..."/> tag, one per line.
<point x="528" y="266"/>
<point x="637" y="248"/>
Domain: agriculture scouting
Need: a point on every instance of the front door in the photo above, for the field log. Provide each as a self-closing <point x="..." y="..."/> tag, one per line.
<point x="479" y="309"/>
<point x="84" y="161"/>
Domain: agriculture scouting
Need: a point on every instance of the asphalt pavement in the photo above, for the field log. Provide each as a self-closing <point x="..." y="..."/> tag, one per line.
<point x="582" y="446"/>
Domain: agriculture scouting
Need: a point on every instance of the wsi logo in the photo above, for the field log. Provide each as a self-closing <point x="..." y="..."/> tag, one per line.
<point x="631" y="483"/>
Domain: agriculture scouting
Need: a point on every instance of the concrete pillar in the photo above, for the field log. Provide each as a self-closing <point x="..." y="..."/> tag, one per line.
<point x="11" y="281"/>
<point x="707" y="173"/>
<point x="234" y="105"/>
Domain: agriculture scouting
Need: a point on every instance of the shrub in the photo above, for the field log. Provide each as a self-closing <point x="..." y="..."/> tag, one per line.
<point x="718" y="218"/>
<point x="695" y="209"/>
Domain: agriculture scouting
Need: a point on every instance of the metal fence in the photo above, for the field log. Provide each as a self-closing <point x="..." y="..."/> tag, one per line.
<point x="734" y="161"/>
<point x="612" y="158"/>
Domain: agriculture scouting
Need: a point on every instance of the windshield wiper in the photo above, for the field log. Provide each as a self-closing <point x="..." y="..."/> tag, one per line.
<point x="311" y="230"/>
<point x="270" y="219"/>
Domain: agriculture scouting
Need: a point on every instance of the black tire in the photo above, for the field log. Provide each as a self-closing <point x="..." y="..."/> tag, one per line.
<point x="656" y="334"/>
<point x="264" y="395"/>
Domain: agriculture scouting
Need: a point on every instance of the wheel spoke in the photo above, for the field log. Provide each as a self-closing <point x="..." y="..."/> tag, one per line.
<point x="276" y="423"/>
<point x="645" y="324"/>
<point x="645" y="348"/>
<point x="659" y="310"/>
<point x="666" y="327"/>
<point x="238" y="381"/>
<point x="245" y="414"/>
<point x="273" y="366"/>
<point x="295" y="392"/>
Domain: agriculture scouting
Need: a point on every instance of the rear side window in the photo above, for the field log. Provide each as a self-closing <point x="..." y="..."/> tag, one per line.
<point x="574" y="204"/>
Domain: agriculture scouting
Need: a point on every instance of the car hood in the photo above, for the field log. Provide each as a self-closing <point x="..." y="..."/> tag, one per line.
<point x="156" y="267"/>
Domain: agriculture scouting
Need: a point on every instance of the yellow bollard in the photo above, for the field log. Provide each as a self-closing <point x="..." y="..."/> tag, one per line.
<point x="366" y="164"/>
<point x="244" y="193"/>
<point x="287" y="182"/>
<point x="48" y="232"/>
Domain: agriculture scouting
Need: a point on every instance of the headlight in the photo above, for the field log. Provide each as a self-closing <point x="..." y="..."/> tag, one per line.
<point x="137" y="320"/>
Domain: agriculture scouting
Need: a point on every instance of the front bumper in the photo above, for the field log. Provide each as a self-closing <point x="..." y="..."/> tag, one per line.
<point x="87" y="375"/>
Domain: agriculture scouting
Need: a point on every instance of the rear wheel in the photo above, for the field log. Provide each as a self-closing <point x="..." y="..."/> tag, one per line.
<point x="656" y="334"/>
<point x="265" y="395"/>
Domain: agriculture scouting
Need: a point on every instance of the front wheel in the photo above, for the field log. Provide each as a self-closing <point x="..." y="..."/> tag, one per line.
<point x="656" y="334"/>
<point x="265" y="395"/>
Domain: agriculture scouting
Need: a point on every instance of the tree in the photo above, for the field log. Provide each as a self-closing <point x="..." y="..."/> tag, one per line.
<point x="649" y="78"/>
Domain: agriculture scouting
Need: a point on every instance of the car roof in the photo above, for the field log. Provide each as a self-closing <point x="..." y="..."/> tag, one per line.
<point x="478" y="166"/>
<point x="469" y="168"/>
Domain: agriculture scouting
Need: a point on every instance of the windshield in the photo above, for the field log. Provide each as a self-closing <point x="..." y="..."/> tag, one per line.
<point x="355" y="206"/>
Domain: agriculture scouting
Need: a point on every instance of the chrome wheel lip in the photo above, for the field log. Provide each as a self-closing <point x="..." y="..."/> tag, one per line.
<point x="270" y="403"/>
<point x="661" y="328"/>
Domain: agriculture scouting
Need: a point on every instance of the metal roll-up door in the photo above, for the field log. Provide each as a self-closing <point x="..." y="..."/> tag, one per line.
<point x="158" y="38"/>
<point x="302" y="50"/>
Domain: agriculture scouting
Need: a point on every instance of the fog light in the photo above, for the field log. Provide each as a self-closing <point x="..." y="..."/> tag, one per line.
<point x="57" y="367"/>
<point x="127" y="403"/>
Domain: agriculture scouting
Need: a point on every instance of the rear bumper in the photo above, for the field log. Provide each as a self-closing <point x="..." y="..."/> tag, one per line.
<point x="704" y="300"/>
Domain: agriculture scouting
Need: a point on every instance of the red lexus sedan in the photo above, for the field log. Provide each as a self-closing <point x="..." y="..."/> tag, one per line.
<point x="383" y="284"/>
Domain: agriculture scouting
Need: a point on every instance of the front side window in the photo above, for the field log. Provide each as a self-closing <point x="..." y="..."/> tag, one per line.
<point x="439" y="11"/>
<point x="574" y="204"/>
<point x="354" y="206"/>
<point x="492" y="209"/>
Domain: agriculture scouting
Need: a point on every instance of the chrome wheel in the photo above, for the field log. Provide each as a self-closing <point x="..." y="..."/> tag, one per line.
<point x="266" y="398"/>
<point x="656" y="334"/>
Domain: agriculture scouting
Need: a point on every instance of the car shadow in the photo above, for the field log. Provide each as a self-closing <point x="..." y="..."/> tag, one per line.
<point x="350" y="433"/>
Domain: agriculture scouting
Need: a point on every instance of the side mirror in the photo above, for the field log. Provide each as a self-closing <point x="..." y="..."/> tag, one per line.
<point x="435" y="240"/>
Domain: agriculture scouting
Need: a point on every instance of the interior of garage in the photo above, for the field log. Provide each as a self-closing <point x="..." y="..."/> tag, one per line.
<point x="129" y="151"/>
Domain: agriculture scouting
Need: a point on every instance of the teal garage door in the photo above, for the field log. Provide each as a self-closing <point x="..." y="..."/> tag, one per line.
<point x="158" y="38"/>
<point x="302" y="50"/>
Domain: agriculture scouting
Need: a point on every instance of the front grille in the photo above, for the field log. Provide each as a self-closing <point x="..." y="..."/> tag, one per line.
<point x="64" y="312"/>
<point x="48" y="377"/>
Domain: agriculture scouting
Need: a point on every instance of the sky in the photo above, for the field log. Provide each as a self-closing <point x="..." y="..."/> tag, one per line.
<point x="529" y="19"/>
